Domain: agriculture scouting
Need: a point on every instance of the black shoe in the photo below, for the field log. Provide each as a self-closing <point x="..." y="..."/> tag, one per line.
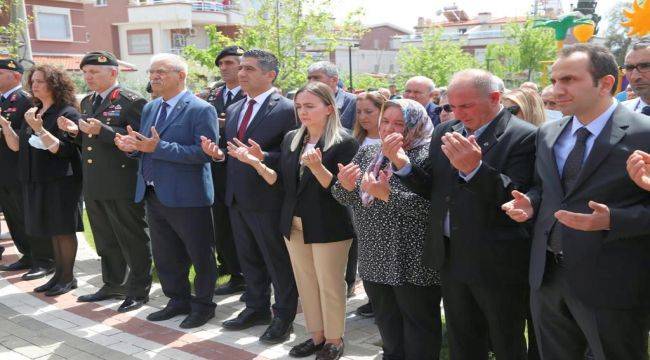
<point x="365" y="311"/>
<point x="331" y="352"/>
<point x="104" y="293"/>
<point x="231" y="287"/>
<point x="37" y="273"/>
<point x="22" y="264"/>
<point x="132" y="303"/>
<point x="305" y="349"/>
<point x="48" y="285"/>
<point x="196" y="319"/>
<point x="167" y="313"/>
<point x="246" y="319"/>
<point x="277" y="332"/>
<point x="60" y="289"/>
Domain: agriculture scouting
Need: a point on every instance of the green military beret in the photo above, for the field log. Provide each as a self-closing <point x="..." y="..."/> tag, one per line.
<point x="229" y="51"/>
<point x="99" y="58"/>
<point x="11" y="64"/>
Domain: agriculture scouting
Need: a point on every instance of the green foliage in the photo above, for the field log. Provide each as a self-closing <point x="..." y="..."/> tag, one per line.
<point x="437" y="59"/>
<point x="14" y="30"/>
<point x="616" y="38"/>
<point x="521" y="57"/>
<point x="367" y="81"/>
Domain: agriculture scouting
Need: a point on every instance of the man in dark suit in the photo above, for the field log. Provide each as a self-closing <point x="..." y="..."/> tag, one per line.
<point x="420" y="89"/>
<point x="14" y="102"/>
<point x="589" y="267"/>
<point x="260" y="120"/>
<point x="175" y="181"/>
<point x="328" y="74"/>
<point x="221" y="97"/>
<point x="482" y="255"/>
<point x="118" y="224"/>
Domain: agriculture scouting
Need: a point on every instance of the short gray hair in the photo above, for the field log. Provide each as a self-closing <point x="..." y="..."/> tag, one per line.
<point x="640" y="45"/>
<point x="325" y="66"/>
<point x="481" y="80"/>
<point x="176" y="61"/>
<point x="501" y="86"/>
<point x="423" y="79"/>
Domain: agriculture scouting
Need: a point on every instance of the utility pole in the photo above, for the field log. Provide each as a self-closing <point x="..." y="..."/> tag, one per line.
<point x="19" y="16"/>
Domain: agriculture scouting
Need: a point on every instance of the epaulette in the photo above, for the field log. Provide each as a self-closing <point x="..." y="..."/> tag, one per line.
<point x="128" y="94"/>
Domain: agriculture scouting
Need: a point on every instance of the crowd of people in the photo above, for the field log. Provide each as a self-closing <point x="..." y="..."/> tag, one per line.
<point x="524" y="212"/>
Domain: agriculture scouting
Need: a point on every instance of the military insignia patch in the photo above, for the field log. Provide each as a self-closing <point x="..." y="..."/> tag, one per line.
<point x="102" y="59"/>
<point x="11" y="64"/>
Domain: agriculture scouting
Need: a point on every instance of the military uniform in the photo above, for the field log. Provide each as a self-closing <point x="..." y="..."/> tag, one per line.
<point x="117" y="222"/>
<point x="36" y="251"/>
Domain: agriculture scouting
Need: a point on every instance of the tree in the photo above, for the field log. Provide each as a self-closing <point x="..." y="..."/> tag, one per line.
<point x="528" y="48"/>
<point x="367" y="81"/>
<point x="616" y="38"/>
<point x="289" y="29"/>
<point x="12" y="35"/>
<point x="436" y="59"/>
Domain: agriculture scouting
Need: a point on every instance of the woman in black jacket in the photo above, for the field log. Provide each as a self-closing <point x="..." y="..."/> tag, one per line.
<point x="49" y="168"/>
<point x="317" y="229"/>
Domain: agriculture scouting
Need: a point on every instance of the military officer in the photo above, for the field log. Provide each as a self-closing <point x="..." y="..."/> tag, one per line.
<point x="118" y="224"/>
<point x="36" y="252"/>
<point x="221" y="96"/>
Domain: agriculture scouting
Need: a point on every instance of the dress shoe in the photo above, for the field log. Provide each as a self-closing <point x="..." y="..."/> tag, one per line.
<point x="37" y="273"/>
<point x="48" y="285"/>
<point x="22" y="264"/>
<point x="331" y="352"/>
<point x="277" y="332"/>
<point x="168" y="312"/>
<point x="132" y="303"/>
<point x="231" y="287"/>
<point x="60" y="289"/>
<point x="305" y="349"/>
<point x="196" y="319"/>
<point x="365" y="311"/>
<point x="247" y="318"/>
<point x="104" y="293"/>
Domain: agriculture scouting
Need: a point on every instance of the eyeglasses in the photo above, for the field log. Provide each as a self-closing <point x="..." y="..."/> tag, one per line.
<point x="160" y="72"/>
<point x="446" y="108"/>
<point x="640" y="67"/>
<point x="514" y="109"/>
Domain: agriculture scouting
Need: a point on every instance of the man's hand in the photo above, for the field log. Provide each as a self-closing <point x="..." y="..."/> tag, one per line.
<point x="33" y="120"/>
<point x="143" y="143"/>
<point x="348" y="175"/>
<point x="377" y="187"/>
<point x="125" y="143"/>
<point x="638" y="167"/>
<point x="211" y="149"/>
<point x="463" y="153"/>
<point x="92" y="126"/>
<point x="520" y="208"/>
<point x="67" y="125"/>
<point x="391" y="147"/>
<point x="596" y="221"/>
<point x="254" y="148"/>
<point x="241" y="152"/>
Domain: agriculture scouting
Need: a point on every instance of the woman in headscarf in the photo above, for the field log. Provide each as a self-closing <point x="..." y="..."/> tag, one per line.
<point x="391" y="223"/>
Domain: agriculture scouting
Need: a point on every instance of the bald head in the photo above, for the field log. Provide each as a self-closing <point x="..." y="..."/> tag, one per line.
<point x="480" y="80"/>
<point x="474" y="96"/>
<point x="419" y="88"/>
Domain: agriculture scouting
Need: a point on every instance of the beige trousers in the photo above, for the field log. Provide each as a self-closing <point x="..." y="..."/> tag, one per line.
<point x="319" y="270"/>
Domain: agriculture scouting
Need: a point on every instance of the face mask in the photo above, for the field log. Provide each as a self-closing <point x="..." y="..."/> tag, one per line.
<point x="36" y="142"/>
<point x="552" y="115"/>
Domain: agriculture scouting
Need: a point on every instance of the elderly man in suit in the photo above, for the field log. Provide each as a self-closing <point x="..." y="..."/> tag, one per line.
<point x="328" y="73"/>
<point x="175" y="181"/>
<point x="421" y="89"/>
<point x="259" y="122"/>
<point x="637" y="71"/>
<point x="589" y="269"/>
<point x="482" y="255"/>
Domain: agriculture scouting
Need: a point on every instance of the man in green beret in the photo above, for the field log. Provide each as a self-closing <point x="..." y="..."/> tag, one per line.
<point x="118" y="224"/>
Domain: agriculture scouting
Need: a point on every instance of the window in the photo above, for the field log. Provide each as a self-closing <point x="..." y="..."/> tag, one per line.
<point x="139" y="42"/>
<point x="101" y="2"/>
<point x="52" y="23"/>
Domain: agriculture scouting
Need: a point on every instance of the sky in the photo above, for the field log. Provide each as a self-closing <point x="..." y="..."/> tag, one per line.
<point x="405" y="13"/>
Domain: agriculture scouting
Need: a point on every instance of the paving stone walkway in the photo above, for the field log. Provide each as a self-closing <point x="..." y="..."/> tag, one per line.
<point x="33" y="326"/>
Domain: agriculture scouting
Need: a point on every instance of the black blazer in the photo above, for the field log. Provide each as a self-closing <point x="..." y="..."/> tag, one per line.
<point x="244" y="187"/>
<point x="323" y="218"/>
<point x="13" y="109"/>
<point x="604" y="268"/>
<point x="486" y="246"/>
<point x="36" y="165"/>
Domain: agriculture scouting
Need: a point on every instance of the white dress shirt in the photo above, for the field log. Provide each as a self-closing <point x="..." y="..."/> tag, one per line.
<point x="259" y="100"/>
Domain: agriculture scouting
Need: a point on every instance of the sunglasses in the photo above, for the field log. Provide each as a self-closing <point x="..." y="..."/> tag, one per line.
<point x="514" y="109"/>
<point x="446" y="108"/>
<point x="640" y="67"/>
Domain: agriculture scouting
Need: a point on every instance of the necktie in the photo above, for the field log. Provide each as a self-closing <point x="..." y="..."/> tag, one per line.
<point x="97" y="101"/>
<point x="646" y="110"/>
<point x="228" y="98"/>
<point x="247" y="118"/>
<point x="147" y="164"/>
<point x="570" y="173"/>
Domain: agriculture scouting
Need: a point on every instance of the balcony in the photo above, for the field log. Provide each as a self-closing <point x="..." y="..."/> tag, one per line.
<point x="184" y="13"/>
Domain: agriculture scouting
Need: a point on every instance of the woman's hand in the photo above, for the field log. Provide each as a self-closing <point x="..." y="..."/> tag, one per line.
<point x="312" y="159"/>
<point x="243" y="153"/>
<point x="348" y="175"/>
<point x="67" y="125"/>
<point x="377" y="187"/>
<point x="34" y="120"/>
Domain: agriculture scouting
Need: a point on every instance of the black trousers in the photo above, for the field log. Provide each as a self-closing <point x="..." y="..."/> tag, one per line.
<point x="223" y="238"/>
<point x="565" y="326"/>
<point x="264" y="260"/>
<point x="351" y="269"/>
<point x="36" y="249"/>
<point x="182" y="237"/>
<point x="122" y="242"/>
<point x="408" y="318"/>
<point x="479" y="315"/>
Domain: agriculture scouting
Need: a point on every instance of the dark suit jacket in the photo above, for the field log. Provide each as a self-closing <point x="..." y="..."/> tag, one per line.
<point x="13" y="109"/>
<point x="181" y="170"/>
<point x="347" y="106"/>
<point x="485" y="245"/>
<point x="431" y="111"/>
<point x="245" y="187"/>
<point x="323" y="218"/>
<point x="605" y="268"/>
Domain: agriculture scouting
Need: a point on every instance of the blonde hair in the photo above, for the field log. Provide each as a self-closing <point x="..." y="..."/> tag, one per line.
<point x="331" y="134"/>
<point x="377" y="99"/>
<point x="530" y="103"/>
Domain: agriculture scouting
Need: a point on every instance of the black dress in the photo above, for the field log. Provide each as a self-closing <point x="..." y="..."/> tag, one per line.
<point x="51" y="182"/>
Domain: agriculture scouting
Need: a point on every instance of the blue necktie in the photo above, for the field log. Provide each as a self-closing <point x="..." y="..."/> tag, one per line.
<point x="147" y="163"/>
